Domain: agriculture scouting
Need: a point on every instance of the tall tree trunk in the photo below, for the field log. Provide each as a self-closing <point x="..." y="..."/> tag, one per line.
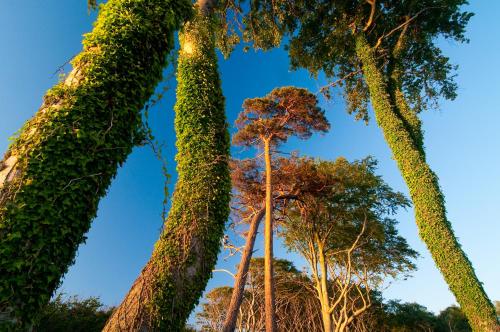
<point x="434" y="228"/>
<point x="241" y="277"/>
<point x="172" y="282"/>
<point x="54" y="174"/>
<point x="270" y="306"/>
<point x="325" y="299"/>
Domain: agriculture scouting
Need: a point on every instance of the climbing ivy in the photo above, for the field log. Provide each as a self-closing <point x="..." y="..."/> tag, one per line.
<point x="401" y="71"/>
<point x="190" y="242"/>
<point x="403" y="134"/>
<point x="172" y="282"/>
<point x="66" y="156"/>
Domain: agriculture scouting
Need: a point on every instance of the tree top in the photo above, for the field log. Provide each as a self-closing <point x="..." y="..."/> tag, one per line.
<point x="282" y="113"/>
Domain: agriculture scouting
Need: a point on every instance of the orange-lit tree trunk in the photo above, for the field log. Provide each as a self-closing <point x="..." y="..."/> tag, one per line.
<point x="241" y="277"/>
<point x="270" y="305"/>
<point x="325" y="299"/>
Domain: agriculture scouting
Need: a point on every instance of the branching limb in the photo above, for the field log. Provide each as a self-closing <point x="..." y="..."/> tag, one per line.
<point x="373" y="4"/>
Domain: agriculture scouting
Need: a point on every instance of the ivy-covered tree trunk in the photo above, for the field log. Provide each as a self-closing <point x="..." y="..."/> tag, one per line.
<point x="403" y="134"/>
<point x="61" y="164"/>
<point x="241" y="276"/>
<point x="172" y="282"/>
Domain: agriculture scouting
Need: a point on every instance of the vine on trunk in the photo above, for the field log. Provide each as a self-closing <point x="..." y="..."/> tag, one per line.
<point x="430" y="212"/>
<point x="65" y="157"/>
<point x="172" y="282"/>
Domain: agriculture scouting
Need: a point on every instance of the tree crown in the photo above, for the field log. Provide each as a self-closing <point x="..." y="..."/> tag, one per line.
<point x="347" y="201"/>
<point x="282" y="113"/>
<point x="321" y="37"/>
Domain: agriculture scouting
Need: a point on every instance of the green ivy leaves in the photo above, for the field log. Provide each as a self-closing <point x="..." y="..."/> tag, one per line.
<point x="188" y="248"/>
<point x="69" y="152"/>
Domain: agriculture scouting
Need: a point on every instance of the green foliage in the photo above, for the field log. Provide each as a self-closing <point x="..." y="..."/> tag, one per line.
<point x="322" y="38"/>
<point x="226" y="25"/>
<point x="395" y="316"/>
<point x="341" y="225"/>
<point x="258" y="26"/>
<point x="213" y="309"/>
<point x="73" y="314"/>
<point x="409" y="317"/>
<point x="70" y="151"/>
<point x="330" y="216"/>
<point x="92" y="4"/>
<point x="190" y="242"/>
<point x="390" y="59"/>
<point x="453" y="319"/>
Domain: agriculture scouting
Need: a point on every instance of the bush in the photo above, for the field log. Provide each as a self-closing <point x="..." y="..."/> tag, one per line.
<point x="74" y="314"/>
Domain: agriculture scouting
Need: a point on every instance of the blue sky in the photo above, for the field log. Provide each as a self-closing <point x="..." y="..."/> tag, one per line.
<point x="462" y="142"/>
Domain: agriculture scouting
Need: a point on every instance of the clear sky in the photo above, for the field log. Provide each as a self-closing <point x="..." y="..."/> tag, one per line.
<point x="462" y="142"/>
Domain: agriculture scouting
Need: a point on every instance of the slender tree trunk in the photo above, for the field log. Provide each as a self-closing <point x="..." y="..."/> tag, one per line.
<point x="54" y="174"/>
<point x="172" y="282"/>
<point x="325" y="299"/>
<point x="341" y="327"/>
<point x="434" y="228"/>
<point x="270" y="301"/>
<point x="241" y="277"/>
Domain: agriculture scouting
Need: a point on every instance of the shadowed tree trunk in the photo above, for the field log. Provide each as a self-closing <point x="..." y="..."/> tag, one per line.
<point x="55" y="172"/>
<point x="241" y="277"/>
<point x="173" y="280"/>
<point x="402" y="132"/>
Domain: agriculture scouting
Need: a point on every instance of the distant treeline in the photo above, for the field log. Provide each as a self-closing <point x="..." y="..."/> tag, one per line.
<point x="77" y="314"/>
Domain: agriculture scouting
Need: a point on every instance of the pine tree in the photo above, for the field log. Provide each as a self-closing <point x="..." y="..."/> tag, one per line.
<point x="267" y="122"/>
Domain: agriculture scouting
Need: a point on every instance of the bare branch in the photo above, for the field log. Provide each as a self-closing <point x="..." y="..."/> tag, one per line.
<point x="373" y="4"/>
<point x="226" y="271"/>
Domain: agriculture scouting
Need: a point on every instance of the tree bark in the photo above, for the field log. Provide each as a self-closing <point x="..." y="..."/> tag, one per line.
<point x="430" y="212"/>
<point x="241" y="277"/>
<point x="325" y="299"/>
<point x="174" y="279"/>
<point x="130" y="315"/>
<point x="61" y="164"/>
<point x="270" y="301"/>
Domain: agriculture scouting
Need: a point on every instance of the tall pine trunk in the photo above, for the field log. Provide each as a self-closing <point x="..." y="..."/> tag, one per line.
<point x="54" y="174"/>
<point x="434" y="228"/>
<point x="270" y="306"/>
<point x="241" y="277"/>
<point x="173" y="280"/>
